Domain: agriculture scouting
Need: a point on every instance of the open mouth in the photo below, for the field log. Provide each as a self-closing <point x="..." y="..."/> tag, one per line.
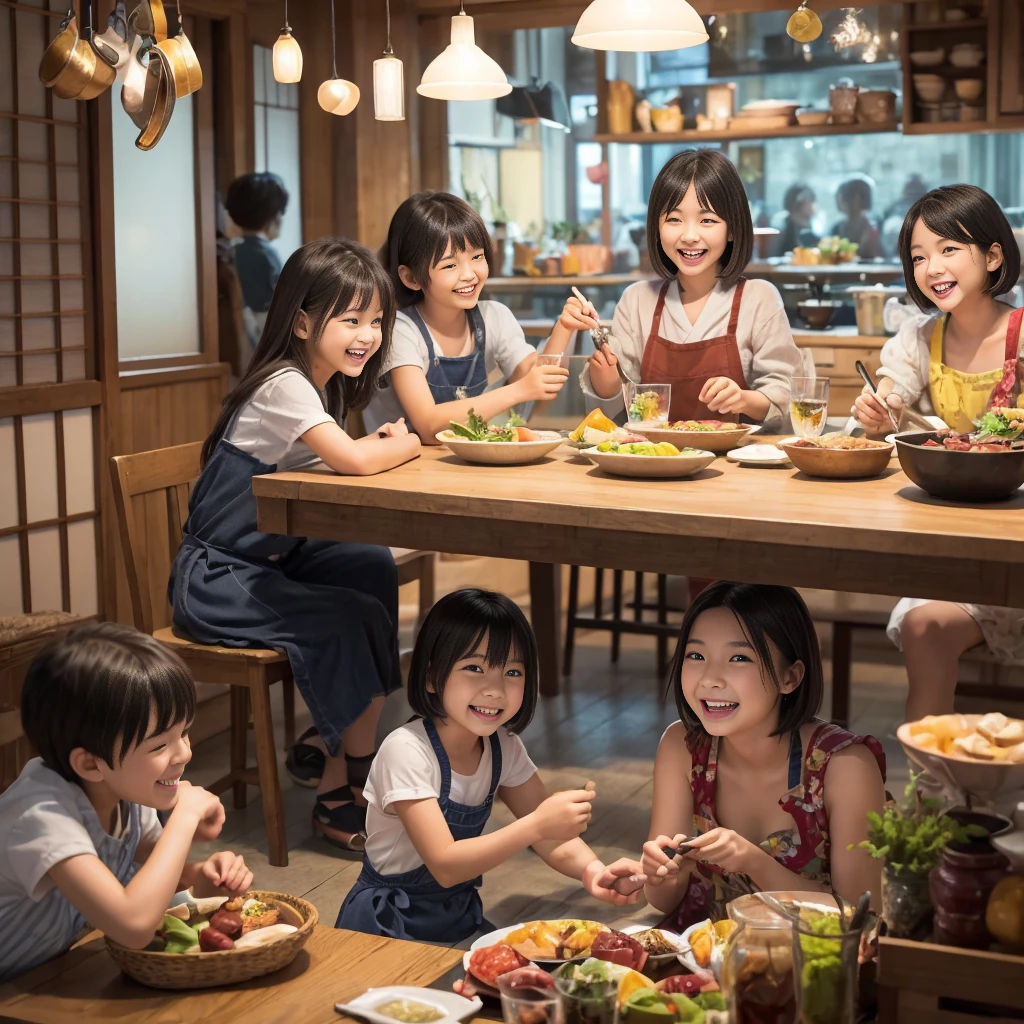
<point x="466" y="291"/>
<point x="169" y="783"/>
<point x="719" y="708"/>
<point x="357" y="355"/>
<point x="943" y="288"/>
<point x="486" y="713"/>
<point x="692" y="255"/>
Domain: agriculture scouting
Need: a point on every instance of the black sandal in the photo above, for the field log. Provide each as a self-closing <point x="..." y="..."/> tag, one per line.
<point x="343" y="826"/>
<point x="305" y="763"/>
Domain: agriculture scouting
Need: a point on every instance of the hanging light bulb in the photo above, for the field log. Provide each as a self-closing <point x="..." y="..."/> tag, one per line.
<point x="462" y="71"/>
<point x="639" y="26"/>
<point x="336" y="95"/>
<point x="388" y="82"/>
<point x="287" y="54"/>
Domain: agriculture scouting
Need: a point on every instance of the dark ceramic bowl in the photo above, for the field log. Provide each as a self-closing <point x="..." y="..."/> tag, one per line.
<point x="959" y="476"/>
<point x="817" y="313"/>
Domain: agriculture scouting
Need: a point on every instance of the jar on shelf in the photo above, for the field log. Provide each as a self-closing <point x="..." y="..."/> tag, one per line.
<point x="842" y="101"/>
<point x="620" y="107"/>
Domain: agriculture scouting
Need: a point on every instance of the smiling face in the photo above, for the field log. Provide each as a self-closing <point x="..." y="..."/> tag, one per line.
<point x="348" y="342"/>
<point x="948" y="272"/>
<point x="693" y="236"/>
<point x="480" y="697"/>
<point x="457" y="278"/>
<point x="724" y="684"/>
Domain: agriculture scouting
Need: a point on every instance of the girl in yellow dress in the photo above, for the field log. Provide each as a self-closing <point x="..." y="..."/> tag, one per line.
<point x="960" y="358"/>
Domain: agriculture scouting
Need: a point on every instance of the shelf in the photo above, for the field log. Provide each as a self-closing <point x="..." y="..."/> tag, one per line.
<point x="946" y="26"/>
<point x="951" y="128"/>
<point x="796" y="131"/>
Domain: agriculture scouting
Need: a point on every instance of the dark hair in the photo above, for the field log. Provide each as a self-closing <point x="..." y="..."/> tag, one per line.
<point x="421" y="232"/>
<point x="968" y="215"/>
<point x="96" y="687"/>
<point x="254" y="200"/>
<point x="859" y="187"/>
<point x="321" y="279"/>
<point x="796" y="194"/>
<point x="719" y="188"/>
<point x="766" y="614"/>
<point x="452" y="630"/>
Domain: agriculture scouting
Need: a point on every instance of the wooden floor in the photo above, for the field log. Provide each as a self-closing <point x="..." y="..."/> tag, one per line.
<point x="605" y="726"/>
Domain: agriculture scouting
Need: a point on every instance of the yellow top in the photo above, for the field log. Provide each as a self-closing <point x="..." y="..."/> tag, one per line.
<point x="958" y="398"/>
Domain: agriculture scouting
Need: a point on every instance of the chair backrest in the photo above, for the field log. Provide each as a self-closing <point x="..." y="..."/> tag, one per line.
<point x="151" y="491"/>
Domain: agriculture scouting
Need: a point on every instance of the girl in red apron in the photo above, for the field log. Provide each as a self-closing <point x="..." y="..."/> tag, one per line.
<point x="723" y="343"/>
<point x="749" y="787"/>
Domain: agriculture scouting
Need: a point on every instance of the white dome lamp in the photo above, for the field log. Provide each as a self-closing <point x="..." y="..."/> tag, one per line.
<point x="462" y="71"/>
<point x="639" y="26"/>
<point x="337" y="95"/>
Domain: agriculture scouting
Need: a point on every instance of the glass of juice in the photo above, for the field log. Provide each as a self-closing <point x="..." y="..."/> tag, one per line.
<point x="808" y="405"/>
<point x="647" y="405"/>
<point x="551" y="359"/>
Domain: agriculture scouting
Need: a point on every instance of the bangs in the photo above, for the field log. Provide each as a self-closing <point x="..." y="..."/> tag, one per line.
<point x="943" y="222"/>
<point x="363" y="281"/>
<point x="682" y="185"/>
<point x="165" y="693"/>
<point x="503" y="645"/>
<point x="471" y="236"/>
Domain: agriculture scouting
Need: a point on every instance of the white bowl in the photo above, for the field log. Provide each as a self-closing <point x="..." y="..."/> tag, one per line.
<point x="650" y="467"/>
<point x="928" y="58"/>
<point x="966" y="58"/>
<point x="812" y="117"/>
<point x="500" y="453"/>
<point x="969" y="89"/>
<point x="930" y="88"/>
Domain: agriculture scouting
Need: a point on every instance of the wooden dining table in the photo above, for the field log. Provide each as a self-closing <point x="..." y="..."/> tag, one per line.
<point x="335" y="966"/>
<point x="881" y="535"/>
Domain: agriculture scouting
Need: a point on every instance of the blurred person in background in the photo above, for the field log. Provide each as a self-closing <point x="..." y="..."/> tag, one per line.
<point x="796" y="226"/>
<point x="854" y="198"/>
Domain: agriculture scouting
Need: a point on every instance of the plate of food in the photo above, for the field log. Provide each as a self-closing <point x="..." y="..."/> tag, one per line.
<point x="546" y="942"/>
<point x="838" y="456"/>
<point x="596" y="429"/>
<point x="717" y="436"/>
<point x="660" y="945"/>
<point x="208" y="942"/>
<point x="409" y="1005"/>
<point x="647" y="460"/>
<point x="706" y="942"/>
<point x="513" y="444"/>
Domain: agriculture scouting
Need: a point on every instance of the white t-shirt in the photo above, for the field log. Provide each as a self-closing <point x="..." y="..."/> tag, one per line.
<point x="44" y="820"/>
<point x="406" y="768"/>
<point x="280" y="411"/>
<point x="505" y="347"/>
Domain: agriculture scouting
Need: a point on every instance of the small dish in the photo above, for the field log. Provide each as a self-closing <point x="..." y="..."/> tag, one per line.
<point x="501" y="453"/>
<point x="671" y="937"/>
<point x="651" y="467"/>
<point x="969" y="89"/>
<point x="812" y="117"/>
<point x="968" y="57"/>
<point x="452" y="1006"/>
<point x="928" y="58"/>
<point x="759" y="455"/>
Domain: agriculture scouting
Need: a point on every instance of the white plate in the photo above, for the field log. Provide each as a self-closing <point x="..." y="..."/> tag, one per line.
<point x="759" y="455"/>
<point x="659" y="958"/>
<point x="501" y="453"/>
<point x="454" y="1007"/>
<point x="491" y="939"/>
<point x="717" y="948"/>
<point x="650" y="467"/>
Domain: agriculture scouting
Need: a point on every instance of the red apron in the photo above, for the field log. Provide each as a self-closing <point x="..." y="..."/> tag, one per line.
<point x="689" y="366"/>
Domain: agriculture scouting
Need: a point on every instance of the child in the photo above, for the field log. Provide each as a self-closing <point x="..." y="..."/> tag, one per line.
<point x="447" y="341"/>
<point x="775" y="796"/>
<point x="109" y="710"/>
<point x="854" y="199"/>
<point x="723" y="343"/>
<point x="256" y="203"/>
<point x="961" y="357"/>
<point x="473" y="684"/>
<point x="331" y="607"/>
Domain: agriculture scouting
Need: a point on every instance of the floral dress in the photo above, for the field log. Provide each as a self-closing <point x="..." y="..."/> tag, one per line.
<point x="803" y="849"/>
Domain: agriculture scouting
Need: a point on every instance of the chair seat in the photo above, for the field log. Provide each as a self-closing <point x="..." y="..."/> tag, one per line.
<point x="186" y="643"/>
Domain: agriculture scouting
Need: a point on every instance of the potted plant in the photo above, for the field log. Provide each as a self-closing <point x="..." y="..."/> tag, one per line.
<point x="910" y="841"/>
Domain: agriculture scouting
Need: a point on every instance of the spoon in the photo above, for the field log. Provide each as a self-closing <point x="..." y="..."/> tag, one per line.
<point x="600" y="334"/>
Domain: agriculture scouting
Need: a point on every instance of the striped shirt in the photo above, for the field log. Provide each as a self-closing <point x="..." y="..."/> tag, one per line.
<point x="44" y="820"/>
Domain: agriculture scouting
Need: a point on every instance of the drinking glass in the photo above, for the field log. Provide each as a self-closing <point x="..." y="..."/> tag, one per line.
<point x="595" y="1002"/>
<point x="647" y="405"/>
<point x="808" y="405"/>
<point x="550" y="358"/>
<point x="530" y="1005"/>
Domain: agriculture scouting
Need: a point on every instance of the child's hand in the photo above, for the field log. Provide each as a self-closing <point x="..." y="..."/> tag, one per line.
<point x="618" y="883"/>
<point x="564" y="816"/>
<point x="655" y="864"/>
<point x="723" y="394"/>
<point x="542" y="383"/>
<point x="871" y="410"/>
<point x="223" y="872"/>
<point x="577" y="316"/>
<point x="396" y="429"/>
<point x="723" y="847"/>
<point x="207" y="808"/>
<point x="603" y="373"/>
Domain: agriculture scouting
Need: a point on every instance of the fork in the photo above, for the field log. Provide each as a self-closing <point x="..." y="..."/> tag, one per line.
<point x="599" y="335"/>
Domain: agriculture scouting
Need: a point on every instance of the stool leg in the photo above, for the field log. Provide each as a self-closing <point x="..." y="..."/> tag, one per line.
<point x="598" y="592"/>
<point x="662" y="620"/>
<point x="288" y="696"/>
<point x="616" y="614"/>
<point x="638" y="597"/>
<point x="239" y="740"/>
<point x="266" y="764"/>
<point x="426" y="587"/>
<point x="842" y="658"/>
<point x="570" y="619"/>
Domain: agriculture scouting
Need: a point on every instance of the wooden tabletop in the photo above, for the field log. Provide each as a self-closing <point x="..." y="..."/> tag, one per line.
<point x="85" y="985"/>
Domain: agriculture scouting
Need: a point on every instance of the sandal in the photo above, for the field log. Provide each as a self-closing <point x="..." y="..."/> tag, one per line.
<point x="343" y="826"/>
<point x="305" y="763"/>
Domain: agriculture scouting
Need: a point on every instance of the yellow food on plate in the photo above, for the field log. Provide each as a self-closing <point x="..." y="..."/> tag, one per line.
<point x="994" y="738"/>
<point x="597" y="420"/>
<point x="723" y="929"/>
<point x="554" y="940"/>
<point x="702" y="942"/>
<point x="630" y="982"/>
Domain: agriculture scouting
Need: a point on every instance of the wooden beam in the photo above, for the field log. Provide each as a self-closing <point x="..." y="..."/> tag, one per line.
<point x="134" y="379"/>
<point x="30" y="399"/>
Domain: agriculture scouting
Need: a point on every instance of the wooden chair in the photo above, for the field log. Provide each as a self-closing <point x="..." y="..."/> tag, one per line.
<point x="168" y="474"/>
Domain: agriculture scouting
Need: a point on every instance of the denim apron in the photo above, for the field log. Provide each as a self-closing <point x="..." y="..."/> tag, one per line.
<point x="412" y="904"/>
<point x="332" y="608"/>
<point x="452" y="378"/>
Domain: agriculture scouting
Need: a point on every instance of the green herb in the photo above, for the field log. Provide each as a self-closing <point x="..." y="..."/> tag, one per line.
<point x="912" y="838"/>
<point x="996" y="425"/>
<point x="807" y="410"/>
<point x="180" y="938"/>
<point x="474" y="429"/>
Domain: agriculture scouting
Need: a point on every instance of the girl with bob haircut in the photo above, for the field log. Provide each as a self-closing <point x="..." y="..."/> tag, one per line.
<point x="331" y="607"/>
<point x="447" y="340"/>
<point x="473" y="685"/>
<point x="958" y="359"/>
<point x="723" y="343"/>
<point x="774" y="796"/>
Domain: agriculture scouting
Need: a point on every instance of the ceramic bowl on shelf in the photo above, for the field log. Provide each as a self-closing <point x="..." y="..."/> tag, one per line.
<point x="667" y="119"/>
<point x="972" y="113"/>
<point x="811" y="117"/>
<point x="969" y="89"/>
<point x="818" y="313"/>
<point x="966" y="55"/>
<point x="928" y="58"/>
<point x="930" y="88"/>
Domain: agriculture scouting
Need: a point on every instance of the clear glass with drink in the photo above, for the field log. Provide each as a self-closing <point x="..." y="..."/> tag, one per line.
<point x="528" y="1004"/>
<point x="551" y="358"/>
<point x="808" y="405"/>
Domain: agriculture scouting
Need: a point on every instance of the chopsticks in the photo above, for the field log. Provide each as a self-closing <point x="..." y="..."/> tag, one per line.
<point x="600" y="335"/>
<point x="865" y="375"/>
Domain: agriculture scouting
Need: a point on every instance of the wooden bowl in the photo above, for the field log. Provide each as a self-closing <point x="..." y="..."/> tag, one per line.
<point x="717" y="441"/>
<point x="226" y="967"/>
<point x="836" y="464"/>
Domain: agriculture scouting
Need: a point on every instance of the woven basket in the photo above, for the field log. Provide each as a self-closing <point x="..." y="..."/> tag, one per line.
<point x="227" y="967"/>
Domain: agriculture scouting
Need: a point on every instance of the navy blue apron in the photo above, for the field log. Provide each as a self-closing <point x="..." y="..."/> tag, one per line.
<point x="413" y="904"/>
<point x="331" y="607"/>
<point x="452" y="378"/>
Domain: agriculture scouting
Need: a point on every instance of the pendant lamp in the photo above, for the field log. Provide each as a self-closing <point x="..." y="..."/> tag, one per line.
<point x="287" y="54"/>
<point x="462" y="71"/>
<point x="336" y="95"/>
<point x="388" y="81"/>
<point x="637" y="26"/>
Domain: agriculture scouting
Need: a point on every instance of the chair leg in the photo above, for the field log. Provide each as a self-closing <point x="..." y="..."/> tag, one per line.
<point x="426" y="587"/>
<point x="288" y="696"/>
<point x="570" y="619"/>
<point x="638" y="597"/>
<point x="266" y="764"/>
<point x="662" y="619"/>
<point x="598" y="593"/>
<point x="239" y="741"/>
<point x="616" y="613"/>
<point x="842" y="658"/>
